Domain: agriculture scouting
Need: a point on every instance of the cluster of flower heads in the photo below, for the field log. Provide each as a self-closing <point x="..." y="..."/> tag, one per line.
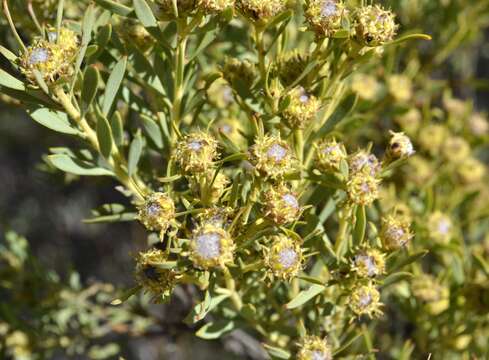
<point x="51" y="57"/>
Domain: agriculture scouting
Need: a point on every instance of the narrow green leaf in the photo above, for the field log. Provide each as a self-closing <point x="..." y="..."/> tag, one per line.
<point x="54" y="120"/>
<point x="113" y="84"/>
<point x="40" y="81"/>
<point x="305" y="296"/>
<point x="286" y="15"/>
<point x="394" y="278"/>
<point x="8" y="54"/>
<point x="78" y="167"/>
<point x="87" y="28"/>
<point x="89" y="90"/>
<point x="200" y="310"/>
<point x="340" y="113"/>
<point x="104" y="136"/>
<point x="115" y="7"/>
<point x="126" y="295"/>
<point x="360" y="225"/>
<point x="408" y="260"/>
<point x="103" y="36"/>
<point x="135" y="151"/>
<point x="117" y="128"/>
<point x="212" y="330"/>
<point x="152" y="130"/>
<point x="59" y="16"/>
<point x="144" y="13"/>
<point x="130" y="216"/>
<point x="11" y="82"/>
<point x="276" y="352"/>
<point x="409" y="37"/>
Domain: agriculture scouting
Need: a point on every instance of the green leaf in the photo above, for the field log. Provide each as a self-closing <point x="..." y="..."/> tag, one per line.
<point x="360" y="225"/>
<point x="135" y="151"/>
<point x="10" y="82"/>
<point x="104" y="136"/>
<point x="114" y="7"/>
<point x="213" y="330"/>
<point x="408" y="260"/>
<point x="54" y="120"/>
<point x="304" y="73"/>
<point x="152" y="130"/>
<point x="409" y="37"/>
<point x="304" y="296"/>
<point x="340" y="113"/>
<point x="144" y="13"/>
<point x="117" y="128"/>
<point x="113" y="84"/>
<point x="78" y="167"/>
<point x="40" y="81"/>
<point x="285" y="16"/>
<point x="395" y="278"/>
<point x="89" y="90"/>
<point x="126" y="295"/>
<point x="200" y="310"/>
<point x="103" y="36"/>
<point x="8" y="54"/>
<point x="276" y="352"/>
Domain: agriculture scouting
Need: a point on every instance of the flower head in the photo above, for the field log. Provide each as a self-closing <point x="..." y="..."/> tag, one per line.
<point x="456" y="149"/>
<point x="369" y="263"/>
<point x="289" y="66"/>
<point x="184" y="8"/>
<point x="302" y="108"/>
<point x="374" y="25"/>
<point x="471" y="170"/>
<point x="215" y="6"/>
<point x="216" y="216"/>
<point x="324" y="16"/>
<point x="362" y="161"/>
<point x="395" y="232"/>
<point x="314" y="348"/>
<point x="282" y="205"/>
<point x="157" y="212"/>
<point x="440" y="227"/>
<point x="44" y="57"/>
<point x="132" y="32"/>
<point x="239" y="73"/>
<point x="329" y="155"/>
<point x="365" y="300"/>
<point x="434" y="295"/>
<point x="211" y="246"/>
<point x="196" y="152"/>
<point x="67" y="41"/>
<point x="271" y="156"/>
<point x="400" y="146"/>
<point x="400" y="87"/>
<point x="155" y="279"/>
<point x="284" y="258"/>
<point x="362" y="188"/>
<point x="260" y="10"/>
<point x="431" y="138"/>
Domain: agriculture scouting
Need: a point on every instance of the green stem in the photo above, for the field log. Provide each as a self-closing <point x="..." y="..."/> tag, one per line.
<point x="231" y="286"/>
<point x="179" y="86"/>
<point x="6" y="11"/>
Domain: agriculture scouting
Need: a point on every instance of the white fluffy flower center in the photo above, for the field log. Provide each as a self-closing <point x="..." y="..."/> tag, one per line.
<point x="208" y="245"/>
<point x="290" y="200"/>
<point x="277" y="152"/>
<point x="38" y="56"/>
<point x="328" y="9"/>
<point x="287" y="258"/>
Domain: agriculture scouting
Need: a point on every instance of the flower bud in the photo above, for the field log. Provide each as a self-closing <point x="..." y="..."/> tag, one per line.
<point x="365" y="300"/>
<point x="211" y="246"/>
<point x="362" y="188"/>
<point x="157" y="212"/>
<point x="369" y="263"/>
<point x="374" y="25"/>
<point x="216" y="216"/>
<point x="196" y="152"/>
<point x="324" y="16"/>
<point x="471" y="171"/>
<point x="456" y="149"/>
<point x="400" y="146"/>
<point x="478" y="124"/>
<point x="440" y="227"/>
<point x="409" y="121"/>
<point x="428" y="290"/>
<point x="302" y="109"/>
<point x="395" y="232"/>
<point x="289" y="67"/>
<point x="431" y="138"/>
<point x="68" y="41"/>
<point x="400" y="87"/>
<point x="314" y="348"/>
<point x="362" y="161"/>
<point x="329" y="155"/>
<point x="132" y="32"/>
<point x="215" y="6"/>
<point x="257" y="10"/>
<point x="284" y="258"/>
<point x="239" y="73"/>
<point x="154" y="279"/>
<point x="282" y="206"/>
<point x="365" y="86"/>
<point x="271" y="156"/>
<point x="418" y="170"/>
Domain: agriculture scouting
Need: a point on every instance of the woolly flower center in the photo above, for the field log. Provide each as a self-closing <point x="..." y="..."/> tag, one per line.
<point x="208" y="245"/>
<point x="153" y="209"/>
<point x="277" y="152"/>
<point x="38" y="56"/>
<point x="290" y="200"/>
<point x="330" y="149"/>
<point x="444" y="226"/>
<point x="318" y="355"/>
<point x="365" y="187"/>
<point x="365" y="300"/>
<point x="195" y="145"/>
<point x="368" y="262"/>
<point x="395" y="232"/>
<point x="287" y="258"/>
<point x="328" y="9"/>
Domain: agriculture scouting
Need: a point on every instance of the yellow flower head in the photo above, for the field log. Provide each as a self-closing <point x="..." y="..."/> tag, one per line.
<point x="238" y="72"/>
<point x="409" y="121"/>
<point x="478" y="124"/>
<point x="419" y="170"/>
<point x="271" y="156"/>
<point x="282" y="205"/>
<point x="400" y="87"/>
<point x="302" y="109"/>
<point x="157" y="212"/>
<point x="395" y="232"/>
<point x="289" y="66"/>
<point x="362" y="188"/>
<point x="196" y="152"/>
<point x="365" y="300"/>
<point x="324" y="16"/>
<point x="440" y="227"/>
<point x="431" y="138"/>
<point x="68" y="41"/>
<point x="314" y="348"/>
<point x="369" y="263"/>
<point x="400" y="146"/>
<point x="215" y="6"/>
<point x="44" y="57"/>
<point x="434" y="295"/>
<point x="216" y="216"/>
<point x="257" y="10"/>
<point x="364" y="162"/>
<point x="471" y="171"/>
<point x="151" y="276"/>
<point x="329" y="155"/>
<point x="374" y="25"/>
<point x="456" y="149"/>
<point x="211" y="246"/>
<point x="284" y="257"/>
<point x="365" y="86"/>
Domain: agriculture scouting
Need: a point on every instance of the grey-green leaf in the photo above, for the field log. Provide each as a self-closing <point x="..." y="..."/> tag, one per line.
<point x="212" y="330"/>
<point x="117" y="128"/>
<point x="90" y="85"/>
<point x="11" y="82"/>
<point x="113" y="84"/>
<point x="104" y="136"/>
<point x="152" y="130"/>
<point x="78" y="167"/>
<point x="144" y="13"/>
<point x="135" y="151"/>
<point x="304" y="296"/>
<point x="54" y="120"/>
